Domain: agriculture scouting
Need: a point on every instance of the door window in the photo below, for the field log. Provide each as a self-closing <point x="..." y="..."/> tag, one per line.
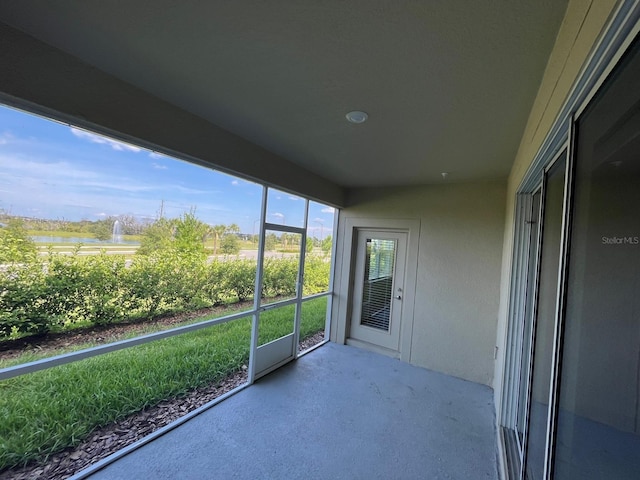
<point x="377" y="288"/>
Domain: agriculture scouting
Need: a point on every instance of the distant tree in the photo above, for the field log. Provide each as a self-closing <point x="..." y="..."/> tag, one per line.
<point x="130" y="225"/>
<point x="233" y="228"/>
<point x="309" y="245"/>
<point x="102" y="229"/>
<point x="270" y="241"/>
<point x="326" y="244"/>
<point x="157" y="236"/>
<point x="190" y="234"/>
<point x="285" y="238"/>
<point x="15" y="244"/>
<point x="217" y="231"/>
<point x="230" y="244"/>
<point x="184" y="235"/>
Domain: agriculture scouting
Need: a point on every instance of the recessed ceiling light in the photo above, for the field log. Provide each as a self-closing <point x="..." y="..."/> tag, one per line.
<point x="357" y="116"/>
<point x="444" y="175"/>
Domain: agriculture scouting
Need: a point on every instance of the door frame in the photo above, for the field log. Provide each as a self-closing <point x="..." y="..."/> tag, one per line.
<point x="389" y="338"/>
<point x="345" y="262"/>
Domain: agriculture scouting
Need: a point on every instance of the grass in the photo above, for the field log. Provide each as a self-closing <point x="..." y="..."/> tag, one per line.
<point x="278" y="322"/>
<point x="48" y="411"/>
<point x="66" y="234"/>
<point x="59" y="233"/>
<point x="140" y="329"/>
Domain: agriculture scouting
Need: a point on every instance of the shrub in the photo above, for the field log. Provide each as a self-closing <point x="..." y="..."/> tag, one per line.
<point x="213" y="284"/>
<point x="239" y="278"/>
<point x="279" y="277"/>
<point x="156" y="283"/>
<point x="316" y="274"/>
<point x="15" y="244"/>
<point x="24" y="303"/>
<point x="230" y="244"/>
<point x="63" y="291"/>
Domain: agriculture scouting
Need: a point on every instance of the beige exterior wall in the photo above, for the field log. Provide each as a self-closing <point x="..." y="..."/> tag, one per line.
<point x="458" y="270"/>
<point x="465" y="234"/>
<point x="580" y="30"/>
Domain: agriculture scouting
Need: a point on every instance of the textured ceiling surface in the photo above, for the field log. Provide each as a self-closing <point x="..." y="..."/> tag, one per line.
<point x="447" y="85"/>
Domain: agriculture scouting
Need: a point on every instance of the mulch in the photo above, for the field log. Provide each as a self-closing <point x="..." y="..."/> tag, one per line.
<point x="107" y="440"/>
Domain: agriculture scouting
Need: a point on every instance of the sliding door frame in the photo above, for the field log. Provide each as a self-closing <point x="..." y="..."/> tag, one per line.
<point x="622" y="29"/>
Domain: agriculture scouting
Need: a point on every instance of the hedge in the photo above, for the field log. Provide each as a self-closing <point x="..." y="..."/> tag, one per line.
<point x="66" y="291"/>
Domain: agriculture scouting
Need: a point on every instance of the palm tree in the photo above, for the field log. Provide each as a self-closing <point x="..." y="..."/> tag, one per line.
<point x="233" y="228"/>
<point x="217" y="231"/>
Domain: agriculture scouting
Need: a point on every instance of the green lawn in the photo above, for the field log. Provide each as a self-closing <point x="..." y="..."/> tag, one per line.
<point x="65" y="234"/>
<point x="142" y="328"/>
<point x="47" y="411"/>
<point x="59" y="233"/>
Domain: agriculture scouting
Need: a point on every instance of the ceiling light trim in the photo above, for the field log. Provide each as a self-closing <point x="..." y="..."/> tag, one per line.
<point x="357" y="116"/>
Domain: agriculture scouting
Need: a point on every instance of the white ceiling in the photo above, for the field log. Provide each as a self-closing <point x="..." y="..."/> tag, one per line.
<point x="448" y="85"/>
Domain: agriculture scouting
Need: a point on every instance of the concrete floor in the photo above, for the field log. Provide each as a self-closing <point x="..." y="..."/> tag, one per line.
<point x="339" y="412"/>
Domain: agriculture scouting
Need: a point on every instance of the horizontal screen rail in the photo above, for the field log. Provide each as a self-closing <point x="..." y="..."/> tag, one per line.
<point x="315" y="295"/>
<point x="43" y="364"/>
<point x="276" y="227"/>
<point x="292" y="301"/>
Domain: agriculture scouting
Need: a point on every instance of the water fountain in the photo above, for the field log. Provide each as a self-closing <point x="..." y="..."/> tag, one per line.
<point x="116" y="234"/>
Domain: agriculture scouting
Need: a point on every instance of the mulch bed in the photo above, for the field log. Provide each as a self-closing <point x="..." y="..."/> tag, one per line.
<point x="105" y="441"/>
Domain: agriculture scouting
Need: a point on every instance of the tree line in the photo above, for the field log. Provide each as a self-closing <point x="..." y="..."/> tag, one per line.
<point x="186" y="234"/>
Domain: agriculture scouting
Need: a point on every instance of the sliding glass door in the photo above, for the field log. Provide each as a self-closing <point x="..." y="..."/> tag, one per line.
<point x="598" y="432"/>
<point x="542" y="331"/>
<point x="572" y="381"/>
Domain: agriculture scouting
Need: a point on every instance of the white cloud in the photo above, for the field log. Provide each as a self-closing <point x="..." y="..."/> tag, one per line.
<point x="278" y="214"/>
<point x="61" y="185"/>
<point x="24" y="167"/>
<point x="157" y="166"/>
<point x="180" y="188"/>
<point x="328" y="210"/>
<point x="95" y="138"/>
<point x="235" y="182"/>
<point x="319" y="220"/>
<point x="117" y="185"/>
<point x="5" y="138"/>
<point x="157" y="156"/>
<point x="295" y="199"/>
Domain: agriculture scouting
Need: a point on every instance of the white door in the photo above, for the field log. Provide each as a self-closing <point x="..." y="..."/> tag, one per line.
<point x="278" y="322"/>
<point x="379" y="287"/>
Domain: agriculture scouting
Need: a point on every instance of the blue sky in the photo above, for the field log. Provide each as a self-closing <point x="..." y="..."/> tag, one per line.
<point x="50" y="170"/>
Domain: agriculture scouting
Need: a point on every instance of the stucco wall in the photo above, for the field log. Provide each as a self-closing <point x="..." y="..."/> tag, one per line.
<point x="579" y="32"/>
<point x="458" y="274"/>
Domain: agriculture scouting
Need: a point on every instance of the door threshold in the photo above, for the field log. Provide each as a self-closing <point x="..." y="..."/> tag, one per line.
<point x="373" y="348"/>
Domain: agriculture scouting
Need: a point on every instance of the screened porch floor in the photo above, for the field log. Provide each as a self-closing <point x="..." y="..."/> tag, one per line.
<point x="337" y="412"/>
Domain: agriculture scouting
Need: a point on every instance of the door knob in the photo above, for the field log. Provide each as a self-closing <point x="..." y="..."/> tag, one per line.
<point x="399" y="297"/>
